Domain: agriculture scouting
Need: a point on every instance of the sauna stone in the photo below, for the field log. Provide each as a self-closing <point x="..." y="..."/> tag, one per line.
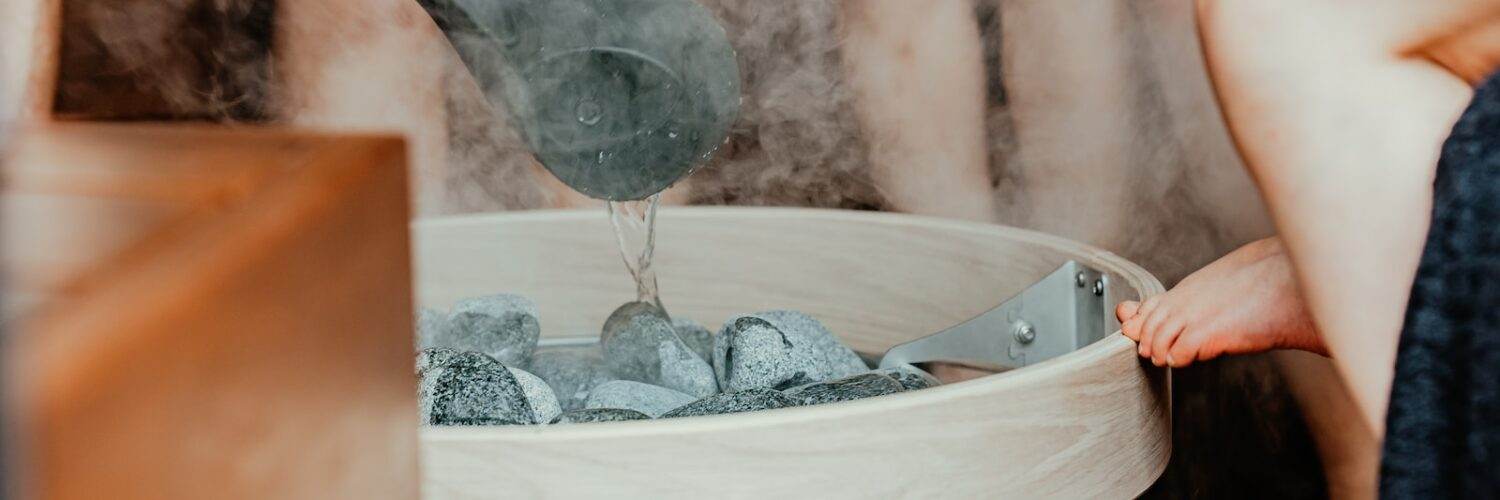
<point x="473" y="387"/>
<point x="640" y="344"/>
<point x="699" y="338"/>
<point x="911" y="377"/>
<point x="645" y="398"/>
<point x="429" y="362"/>
<point x="779" y="350"/>
<point x="572" y="372"/>
<point x="503" y="326"/>
<point x="733" y="402"/>
<point x="432" y="357"/>
<point x="585" y="416"/>
<point x="544" y="405"/>
<point x="684" y="370"/>
<point x="864" y="385"/>
<point x="476" y="421"/>
<point x="430" y="325"/>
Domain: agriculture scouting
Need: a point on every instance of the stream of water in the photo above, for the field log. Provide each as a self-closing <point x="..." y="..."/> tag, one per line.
<point x="635" y="228"/>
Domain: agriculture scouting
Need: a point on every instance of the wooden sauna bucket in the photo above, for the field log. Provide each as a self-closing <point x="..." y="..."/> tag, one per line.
<point x="1094" y="423"/>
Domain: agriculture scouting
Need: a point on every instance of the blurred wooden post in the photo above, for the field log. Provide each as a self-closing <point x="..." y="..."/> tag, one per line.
<point x="198" y="312"/>
<point x="28" y="59"/>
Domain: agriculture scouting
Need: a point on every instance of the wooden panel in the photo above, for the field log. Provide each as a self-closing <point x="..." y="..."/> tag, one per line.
<point x="1091" y="424"/>
<point x="245" y="333"/>
<point x="45" y="249"/>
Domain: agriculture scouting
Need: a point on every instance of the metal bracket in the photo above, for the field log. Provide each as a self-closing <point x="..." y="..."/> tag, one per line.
<point x="1057" y="315"/>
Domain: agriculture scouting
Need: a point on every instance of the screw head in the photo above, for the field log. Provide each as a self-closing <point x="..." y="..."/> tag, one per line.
<point x="1024" y="333"/>
<point x="1099" y="287"/>
<point x="1081" y="280"/>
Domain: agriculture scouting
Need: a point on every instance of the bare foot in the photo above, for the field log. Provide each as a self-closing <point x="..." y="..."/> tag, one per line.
<point x="1244" y="302"/>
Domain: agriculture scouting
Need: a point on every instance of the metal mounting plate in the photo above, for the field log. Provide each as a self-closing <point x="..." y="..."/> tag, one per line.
<point x="1057" y="315"/>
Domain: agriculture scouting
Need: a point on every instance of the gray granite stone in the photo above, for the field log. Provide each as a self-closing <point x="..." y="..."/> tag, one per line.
<point x="700" y="339"/>
<point x="430" y="326"/>
<point x="472" y="387"/>
<point x="733" y="402"/>
<point x="864" y="385"/>
<point x="779" y="350"/>
<point x="432" y="357"/>
<point x="544" y="405"/>
<point x="585" y="416"/>
<point x="645" y="398"/>
<point x="502" y="326"/>
<point x="477" y="421"/>
<point x="640" y="344"/>
<point x="683" y="370"/>
<point x="571" y="372"/>
<point x="911" y="377"/>
<point x="429" y="362"/>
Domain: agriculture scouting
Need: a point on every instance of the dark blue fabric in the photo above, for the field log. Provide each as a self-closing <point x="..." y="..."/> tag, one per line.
<point x="1443" y="427"/>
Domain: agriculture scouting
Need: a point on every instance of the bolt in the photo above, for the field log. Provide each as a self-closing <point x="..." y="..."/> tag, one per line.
<point x="1023" y="332"/>
<point x="1099" y="287"/>
<point x="1080" y="279"/>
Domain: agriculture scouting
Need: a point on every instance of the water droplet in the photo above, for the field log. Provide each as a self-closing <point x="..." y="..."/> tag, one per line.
<point x="588" y="112"/>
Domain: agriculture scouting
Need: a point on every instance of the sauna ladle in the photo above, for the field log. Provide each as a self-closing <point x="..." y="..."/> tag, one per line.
<point x="1064" y="311"/>
<point x="619" y="100"/>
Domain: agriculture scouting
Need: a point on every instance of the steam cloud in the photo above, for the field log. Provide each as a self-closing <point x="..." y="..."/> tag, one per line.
<point x="797" y="141"/>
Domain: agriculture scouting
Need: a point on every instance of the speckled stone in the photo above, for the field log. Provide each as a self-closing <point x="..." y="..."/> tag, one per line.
<point x="733" y="402"/>
<point x="645" y="398"/>
<point x="779" y="350"/>
<point x="599" y="415"/>
<point x="696" y="336"/>
<point x="429" y="362"/>
<point x="477" y="421"/>
<point x="571" y="372"/>
<point x="433" y="356"/>
<point x="864" y="385"/>
<point x="911" y="377"/>
<point x="641" y="345"/>
<point x="503" y="326"/>
<point x="683" y="370"/>
<point x="472" y="387"/>
<point x="544" y="405"/>
<point x="430" y="326"/>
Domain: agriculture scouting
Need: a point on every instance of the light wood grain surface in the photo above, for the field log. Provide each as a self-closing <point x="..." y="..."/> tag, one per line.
<point x="1091" y="424"/>
<point x="211" y="313"/>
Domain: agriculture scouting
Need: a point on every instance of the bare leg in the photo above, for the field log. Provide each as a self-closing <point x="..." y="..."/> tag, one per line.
<point x="1248" y="301"/>
<point x="1339" y="119"/>
<point x="1349" y="450"/>
<point x="918" y="72"/>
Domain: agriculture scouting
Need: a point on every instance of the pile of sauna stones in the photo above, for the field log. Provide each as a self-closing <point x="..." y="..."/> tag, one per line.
<point x="479" y="364"/>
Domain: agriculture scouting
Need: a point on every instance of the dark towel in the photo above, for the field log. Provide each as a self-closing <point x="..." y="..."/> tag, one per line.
<point x="1443" y="427"/>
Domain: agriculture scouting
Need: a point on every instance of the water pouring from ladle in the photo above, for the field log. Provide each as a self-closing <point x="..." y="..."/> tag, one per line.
<point x="619" y="100"/>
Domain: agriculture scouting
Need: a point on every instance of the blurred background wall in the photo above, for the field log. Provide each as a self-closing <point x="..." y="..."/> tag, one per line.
<point x="1097" y="123"/>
